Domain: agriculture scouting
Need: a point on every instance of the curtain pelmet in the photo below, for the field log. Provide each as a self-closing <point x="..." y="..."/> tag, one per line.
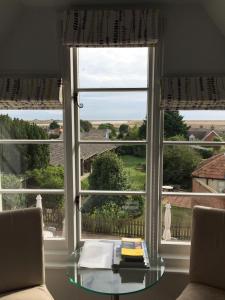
<point x="30" y="93"/>
<point x="193" y="92"/>
<point x="111" y="28"/>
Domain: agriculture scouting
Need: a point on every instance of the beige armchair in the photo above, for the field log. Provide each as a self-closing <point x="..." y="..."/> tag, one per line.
<point x="207" y="262"/>
<point x="21" y="256"/>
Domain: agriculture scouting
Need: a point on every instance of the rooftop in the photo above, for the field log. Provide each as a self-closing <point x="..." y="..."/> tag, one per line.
<point x="87" y="150"/>
<point x="212" y="168"/>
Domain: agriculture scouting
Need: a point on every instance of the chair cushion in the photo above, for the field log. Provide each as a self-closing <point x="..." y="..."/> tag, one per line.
<point x="21" y="251"/>
<point x="207" y="262"/>
<point x="35" y="293"/>
<point x="195" y="291"/>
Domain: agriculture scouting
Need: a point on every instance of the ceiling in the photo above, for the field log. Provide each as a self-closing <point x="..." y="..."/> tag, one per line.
<point x="10" y="8"/>
<point x="16" y="14"/>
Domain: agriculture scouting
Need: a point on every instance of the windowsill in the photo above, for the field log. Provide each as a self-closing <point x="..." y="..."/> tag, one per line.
<point x="176" y="254"/>
<point x="175" y="242"/>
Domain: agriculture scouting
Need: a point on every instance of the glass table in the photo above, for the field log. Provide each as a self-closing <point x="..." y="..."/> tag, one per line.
<point x="114" y="282"/>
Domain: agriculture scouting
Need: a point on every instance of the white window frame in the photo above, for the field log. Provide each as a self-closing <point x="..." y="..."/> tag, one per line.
<point x="152" y="184"/>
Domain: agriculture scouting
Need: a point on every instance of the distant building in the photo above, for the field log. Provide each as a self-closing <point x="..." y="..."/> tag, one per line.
<point x="209" y="177"/>
<point x="202" y="134"/>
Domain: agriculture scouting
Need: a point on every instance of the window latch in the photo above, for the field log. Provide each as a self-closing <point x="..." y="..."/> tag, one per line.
<point x="75" y="99"/>
<point x="77" y="202"/>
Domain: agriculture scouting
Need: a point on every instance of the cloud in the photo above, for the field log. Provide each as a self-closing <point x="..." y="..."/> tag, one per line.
<point x="113" y="67"/>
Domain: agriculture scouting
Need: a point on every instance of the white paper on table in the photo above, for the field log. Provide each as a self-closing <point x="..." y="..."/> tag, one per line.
<point x="96" y="255"/>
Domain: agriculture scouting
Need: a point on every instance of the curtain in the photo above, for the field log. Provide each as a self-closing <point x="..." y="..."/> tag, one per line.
<point x="193" y="92"/>
<point x="30" y="93"/>
<point x="111" y="28"/>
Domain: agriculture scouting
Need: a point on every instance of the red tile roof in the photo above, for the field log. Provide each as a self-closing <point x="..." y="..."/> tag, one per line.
<point x="212" y="168"/>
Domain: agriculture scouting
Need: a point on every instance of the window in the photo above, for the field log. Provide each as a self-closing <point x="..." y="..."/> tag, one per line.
<point x="113" y="140"/>
<point x="193" y="169"/>
<point x="32" y="165"/>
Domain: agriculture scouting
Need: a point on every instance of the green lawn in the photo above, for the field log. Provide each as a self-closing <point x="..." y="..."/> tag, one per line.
<point x="180" y="215"/>
<point x="136" y="174"/>
<point x="85" y="184"/>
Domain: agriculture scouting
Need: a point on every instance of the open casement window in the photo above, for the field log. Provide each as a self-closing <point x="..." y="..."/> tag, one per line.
<point x="31" y="150"/>
<point x="113" y="141"/>
<point x="112" y="86"/>
<point x="193" y="152"/>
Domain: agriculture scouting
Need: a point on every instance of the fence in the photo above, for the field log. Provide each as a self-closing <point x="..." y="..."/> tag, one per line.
<point x="113" y="226"/>
<point x="130" y="228"/>
<point x="53" y="217"/>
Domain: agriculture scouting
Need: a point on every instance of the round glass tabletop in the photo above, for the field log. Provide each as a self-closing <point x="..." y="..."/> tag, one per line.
<point x="115" y="282"/>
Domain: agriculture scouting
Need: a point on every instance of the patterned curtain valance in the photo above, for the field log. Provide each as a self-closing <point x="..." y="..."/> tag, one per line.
<point x="111" y="28"/>
<point x="30" y="93"/>
<point x="199" y="92"/>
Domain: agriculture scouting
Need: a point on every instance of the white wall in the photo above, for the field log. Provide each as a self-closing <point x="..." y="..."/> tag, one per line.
<point x="193" y="43"/>
<point x="31" y="41"/>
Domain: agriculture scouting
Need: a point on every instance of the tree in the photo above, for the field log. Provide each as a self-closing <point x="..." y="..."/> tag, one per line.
<point x="54" y="125"/>
<point x="136" y="150"/>
<point x="142" y="130"/>
<point x="178" y="164"/>
<point x="123" y="131"/>
<point x="108" y="173"/>
<point x="51" y="177"/>
<point x="174" y="124"/>
<point x="85" y="126"/>
<point x="109" y="126"/>
<point x="12" y="201"/>
<point x="18" y="159"/>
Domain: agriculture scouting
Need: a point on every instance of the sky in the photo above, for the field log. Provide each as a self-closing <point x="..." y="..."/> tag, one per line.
<point x="112" y="68"/>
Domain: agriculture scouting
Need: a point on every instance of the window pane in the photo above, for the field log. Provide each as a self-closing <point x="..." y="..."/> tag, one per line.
<point x="181" y="217"/>
<point x="195" y="125"/>
<point x="112" y="67"/>
<point x="32" y="166"/>
<point x="31" y="124"/>
<point x="111" y="217"/>
<point x="53" y="210"/>
<point x="113" y="115"/>
<point x="181" y="213"/>
<point x="194" y="169"/>
<point x="110" y="167"/>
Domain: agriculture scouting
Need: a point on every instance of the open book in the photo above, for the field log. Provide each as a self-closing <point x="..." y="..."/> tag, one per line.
<point x="96" y="255"/>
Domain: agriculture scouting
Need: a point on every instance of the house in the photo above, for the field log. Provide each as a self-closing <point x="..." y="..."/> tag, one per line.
<point x="204" y="134"/>
<point x="88" y="152"/>
<point x="209" y="177"/>
<point x="192" y="62"/>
